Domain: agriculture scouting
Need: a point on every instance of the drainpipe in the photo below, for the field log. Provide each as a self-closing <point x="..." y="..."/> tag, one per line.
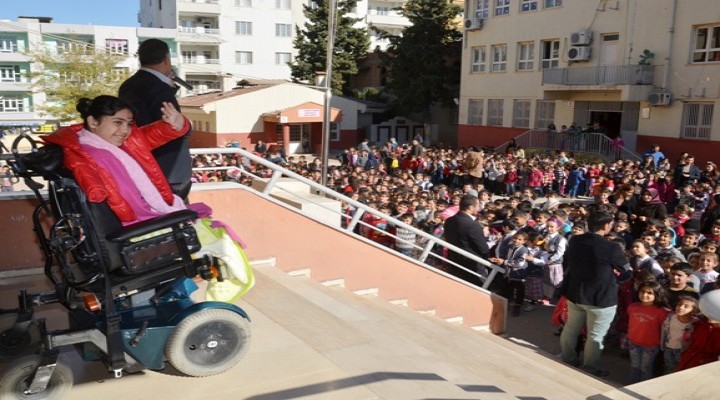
<point x="671" y="30"/>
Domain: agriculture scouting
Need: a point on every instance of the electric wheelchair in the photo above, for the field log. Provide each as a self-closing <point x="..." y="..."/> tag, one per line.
<point x="126" y="291"/>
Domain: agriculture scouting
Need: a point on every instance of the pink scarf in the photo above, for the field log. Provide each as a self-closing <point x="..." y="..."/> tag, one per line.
<point x="147" y="190"/>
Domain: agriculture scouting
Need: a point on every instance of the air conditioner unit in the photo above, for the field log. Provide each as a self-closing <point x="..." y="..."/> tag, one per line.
<point x="474" y="24"/>
<point x="659" y="98"/>
<point x="579" y="53"/>
<point x="581" y="38"/>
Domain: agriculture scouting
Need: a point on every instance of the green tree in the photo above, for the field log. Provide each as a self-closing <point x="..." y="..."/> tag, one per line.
<point x="65" y="77"/>
<point x="351" y="44"/>
<point x="422" y="62"/>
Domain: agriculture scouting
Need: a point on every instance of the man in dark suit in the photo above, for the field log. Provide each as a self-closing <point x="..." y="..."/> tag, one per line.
<point x="591" y="290"/>
<point x="146" y="90"/>
<point x="462" y="231"/>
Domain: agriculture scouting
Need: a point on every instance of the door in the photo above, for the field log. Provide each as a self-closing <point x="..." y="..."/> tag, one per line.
<point x="610" y="58"/>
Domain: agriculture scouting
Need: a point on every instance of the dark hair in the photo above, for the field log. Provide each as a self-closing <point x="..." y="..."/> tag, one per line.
<point x="101" y="106"/>
<point x="152" y="51"/>
<point x="468" y="201"/>
<point x="660" y="295"/>
<point x="684" y="267"/>
<point x="598" y="220"/>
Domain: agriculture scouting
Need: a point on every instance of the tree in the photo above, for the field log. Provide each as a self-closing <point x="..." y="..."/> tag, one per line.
<point x="421" y="63"/>
<point x="351" y="44"/>
<point x="79" y="71"/>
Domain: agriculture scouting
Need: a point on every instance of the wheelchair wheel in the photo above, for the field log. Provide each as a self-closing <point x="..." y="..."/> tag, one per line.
<point x="12" y="347"/>
<point x="17" y="376"/>
<point x="208" y="342"/>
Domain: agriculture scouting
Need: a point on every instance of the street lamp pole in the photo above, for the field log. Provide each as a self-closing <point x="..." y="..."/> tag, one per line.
<point x="328" y="91"/>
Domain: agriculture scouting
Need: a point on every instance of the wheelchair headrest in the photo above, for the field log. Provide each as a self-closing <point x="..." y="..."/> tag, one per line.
<point x="46" y="160"/>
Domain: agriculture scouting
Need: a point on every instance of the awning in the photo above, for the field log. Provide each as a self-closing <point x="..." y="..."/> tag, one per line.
<point x="21" y="123"/>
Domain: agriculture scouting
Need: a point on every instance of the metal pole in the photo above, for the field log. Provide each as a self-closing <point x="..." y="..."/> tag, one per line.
<point x="328" y="91"/>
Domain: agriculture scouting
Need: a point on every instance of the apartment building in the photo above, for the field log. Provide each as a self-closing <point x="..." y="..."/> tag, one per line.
<point x="18" y="103"/>
<point x="646" y="70"/>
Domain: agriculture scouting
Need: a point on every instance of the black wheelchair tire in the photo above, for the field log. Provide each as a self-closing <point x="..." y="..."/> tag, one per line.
<point x="14" y="379"/>
<point x="28" y="344"/>
<point x="208" y="342"/>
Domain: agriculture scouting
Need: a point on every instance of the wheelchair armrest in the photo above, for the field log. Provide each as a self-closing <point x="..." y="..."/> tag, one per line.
<point x="151" y="225"/>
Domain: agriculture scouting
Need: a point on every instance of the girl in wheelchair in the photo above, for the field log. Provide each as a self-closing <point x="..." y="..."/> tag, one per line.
<point x="130" y="307"/>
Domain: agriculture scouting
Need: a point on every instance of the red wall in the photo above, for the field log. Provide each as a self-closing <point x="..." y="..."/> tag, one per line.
<point x="703" y="150"/>
<point x="477" y="135"/>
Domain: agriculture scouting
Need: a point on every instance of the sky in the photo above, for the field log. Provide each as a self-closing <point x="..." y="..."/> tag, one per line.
<point x="83" y="12"/>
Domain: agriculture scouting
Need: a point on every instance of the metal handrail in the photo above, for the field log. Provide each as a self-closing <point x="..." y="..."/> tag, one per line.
<point x="360" y="210"/>
<point x="590" y="143"/>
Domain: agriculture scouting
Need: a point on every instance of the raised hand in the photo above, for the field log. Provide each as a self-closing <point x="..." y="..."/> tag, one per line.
<point x="172" y="116"/>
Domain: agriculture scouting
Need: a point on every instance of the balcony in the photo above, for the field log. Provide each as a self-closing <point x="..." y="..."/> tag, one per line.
<point x="391" y="18"/>
<point x="206" y="7"/>
<point x="198" y="34"/>
<point x="602" y="75"/>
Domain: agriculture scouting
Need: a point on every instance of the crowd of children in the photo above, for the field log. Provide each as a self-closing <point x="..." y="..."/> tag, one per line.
<point x="667" y="220"/>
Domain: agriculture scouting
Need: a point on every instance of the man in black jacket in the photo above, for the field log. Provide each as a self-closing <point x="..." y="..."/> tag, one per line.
<point x="591" y="290"/>
<point x="146" y="90"/>
<point x="462" y="231"/>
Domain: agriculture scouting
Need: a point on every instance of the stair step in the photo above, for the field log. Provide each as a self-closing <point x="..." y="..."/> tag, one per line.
<point x="334" y="283"/>
<point x="367" y="292"/>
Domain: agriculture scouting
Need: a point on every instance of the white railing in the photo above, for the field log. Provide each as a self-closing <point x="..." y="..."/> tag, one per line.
<point x="198" y="29"/>
<point x="590" y="143"/>
<point x="424" y="246"/>
<point x="600" y="75"/>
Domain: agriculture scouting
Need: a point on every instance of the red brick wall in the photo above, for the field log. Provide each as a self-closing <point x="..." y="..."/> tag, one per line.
<point x="477" y="135"/>
<point x="703" y="150"/>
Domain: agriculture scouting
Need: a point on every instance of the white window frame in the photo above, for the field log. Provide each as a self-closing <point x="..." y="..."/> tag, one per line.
<point x="243" y="57"/>
<point x="521" y="113"/>
<point x="334" y="132"/>
<point x="381" y="10"/>
<point x="118" y="73"/>
<point x="482" y="9"/>
<point x="550" y="53"/>
<point x="243" y="28"/>
<point x="528" y="5"/>
<point x="697" y="121"/>
<point x="12" y="104"/>
<point x="498" y="63"/>
<point x="66" y="46"/>
<point x="495" y="112"/>
<point x="526" y="56"/>
<point x="8" y="45"/>
<point x="117" y="46"/>
<point x="10" y="73"/>
<point x="475" y="111"/>
<point x="478" y="60"/>
<point x="283" y="30"/>
<point x="283" y="4"/>
<point x="502" y="7"/>
<point x="243" y="3"/>
<point x="552" y="3"/>
<point x="708" y="52"/>
<point x="544" y="113"/>
<point x="282" y="58"/>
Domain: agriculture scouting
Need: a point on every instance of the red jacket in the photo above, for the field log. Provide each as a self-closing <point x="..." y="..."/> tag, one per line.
<point x="97" y="183"/>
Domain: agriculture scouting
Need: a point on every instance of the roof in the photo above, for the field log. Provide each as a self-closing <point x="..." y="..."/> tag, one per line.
<point x="251" y="86"/>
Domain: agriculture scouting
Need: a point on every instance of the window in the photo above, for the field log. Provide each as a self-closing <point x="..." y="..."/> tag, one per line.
<point x="553" y="3"/>
<point x="243" y="28"/>
<point x="119" y="73"/>
<point x="707" y="45"/>
<point x="550" y="54"/>
<point x="528" y="5"/>
<point x="189" y="56"/>
<point x="502" y="7"/>
<point x="499" y="58"/>
<point x="116" y="46"/>
<point x="544" y="113"/>
<point x="495" y="112"/>
<point x="282" y="58"/>
<point x="283" y="30"/>
<point x="12" y="104"/>
<point x="10" y="73"/>
<point x="521" y="113"/>
<point x="7" y="45"/>
<point x="283" y="4"/>
<point x="243" y="3"/>
<point x="243" y="57"/>
<point x="478" y="59"/>
<point x="382" y="10"/>
<point x="697" y="120"/>
<point x="526" y="56"/>
<point x="334" y="131"/>
<point x="475" y="112"/>
<point x="483" y="9"/>
<point x="67" y="47"/>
